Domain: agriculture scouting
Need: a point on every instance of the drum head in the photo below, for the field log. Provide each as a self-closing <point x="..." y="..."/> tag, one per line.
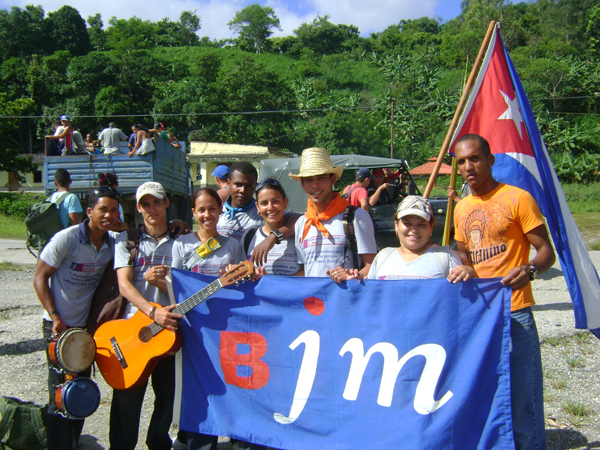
<point x="80" y="397"/>
<point x="75" y="350"/>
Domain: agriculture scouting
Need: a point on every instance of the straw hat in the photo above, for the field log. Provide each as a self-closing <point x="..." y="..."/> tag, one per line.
<point x="316" y="161"/>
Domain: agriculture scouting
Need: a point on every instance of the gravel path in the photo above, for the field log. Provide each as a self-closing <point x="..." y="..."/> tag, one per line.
<point x="571" y="361"/>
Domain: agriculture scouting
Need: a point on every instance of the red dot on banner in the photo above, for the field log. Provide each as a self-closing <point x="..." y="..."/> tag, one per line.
<point x="314" y="305"/>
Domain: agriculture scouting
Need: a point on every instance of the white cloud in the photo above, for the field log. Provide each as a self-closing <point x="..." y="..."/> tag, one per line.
<point x="368" y="15"/>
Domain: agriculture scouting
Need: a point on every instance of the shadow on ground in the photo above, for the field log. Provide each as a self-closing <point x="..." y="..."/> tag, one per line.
<point x="566" y="439"/>
<point x="22" y="348"/>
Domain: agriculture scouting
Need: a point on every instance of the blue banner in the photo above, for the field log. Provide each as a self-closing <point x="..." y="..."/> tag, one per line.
<point x="298" y="363"/>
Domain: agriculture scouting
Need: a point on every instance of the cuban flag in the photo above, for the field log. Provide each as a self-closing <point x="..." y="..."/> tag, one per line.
<point x="498" y="109"/>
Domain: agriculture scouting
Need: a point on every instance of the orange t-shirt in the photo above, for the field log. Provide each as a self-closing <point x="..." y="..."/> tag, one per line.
<point x="493" y="229"/>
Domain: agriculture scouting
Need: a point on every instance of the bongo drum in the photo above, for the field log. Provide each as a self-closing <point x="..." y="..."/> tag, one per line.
<point x="73" y="350"/>
<point x="78" y="398"/>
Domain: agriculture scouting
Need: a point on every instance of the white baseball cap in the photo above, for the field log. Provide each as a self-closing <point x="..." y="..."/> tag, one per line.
<point x="150" y="188"/>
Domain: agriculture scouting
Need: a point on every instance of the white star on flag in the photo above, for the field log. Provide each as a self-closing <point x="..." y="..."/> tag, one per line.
<point x="513" y="112"/>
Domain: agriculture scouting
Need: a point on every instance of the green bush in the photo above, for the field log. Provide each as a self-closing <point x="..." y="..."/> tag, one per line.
<point x="16" y="205"/>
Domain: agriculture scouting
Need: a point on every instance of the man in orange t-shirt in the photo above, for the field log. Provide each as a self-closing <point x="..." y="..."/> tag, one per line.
<point x="495" y="226"/>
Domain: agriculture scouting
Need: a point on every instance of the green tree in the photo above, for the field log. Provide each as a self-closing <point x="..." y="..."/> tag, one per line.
<point x="96" y="32"/>
<point x="66" y="30"/>
<point x="13" y="141"/>
<point x="131" y="34"/>
<point x="321" y="36"/>
<point x="255" y="24"/>
<point x="190" y="24"/>
<point x="22" y="31"/>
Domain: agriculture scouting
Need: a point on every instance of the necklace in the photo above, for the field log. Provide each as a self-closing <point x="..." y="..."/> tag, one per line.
<point x="155" y="237"/>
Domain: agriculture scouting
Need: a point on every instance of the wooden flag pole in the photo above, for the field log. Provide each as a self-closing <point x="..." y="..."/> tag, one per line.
<point x="459" y="109"/>
<point x="450" y="208"/>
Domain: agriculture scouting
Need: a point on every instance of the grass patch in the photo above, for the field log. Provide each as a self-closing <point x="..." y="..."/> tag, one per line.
<point x="11" y="228"/>
<point x="554" y="342"/>
<point x="576" y="408"/>
<point x="575" y="362"/>
<point x="7" y="266"/>
<point x="582" y="337"/>
<point x="558" y="383"/>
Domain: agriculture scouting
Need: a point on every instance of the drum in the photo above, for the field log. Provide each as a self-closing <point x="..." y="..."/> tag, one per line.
<point x="78" y="398"/>
<point x="73" y="350"/>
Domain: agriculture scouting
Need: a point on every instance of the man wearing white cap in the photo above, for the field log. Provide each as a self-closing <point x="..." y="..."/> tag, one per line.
<point x="139" y="282"/>
<point x="320" y="234"/>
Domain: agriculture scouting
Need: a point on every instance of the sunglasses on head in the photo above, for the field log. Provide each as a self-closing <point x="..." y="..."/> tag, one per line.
<point x="104" y="191"/>
<point x="270" y="181"/>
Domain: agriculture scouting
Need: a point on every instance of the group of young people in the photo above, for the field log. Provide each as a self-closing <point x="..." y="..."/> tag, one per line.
<point x="253" y="224"/>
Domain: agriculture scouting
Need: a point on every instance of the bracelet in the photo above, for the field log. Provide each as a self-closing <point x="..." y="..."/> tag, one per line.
<point x="152" y="310"/>
<point x="53" y="312"/>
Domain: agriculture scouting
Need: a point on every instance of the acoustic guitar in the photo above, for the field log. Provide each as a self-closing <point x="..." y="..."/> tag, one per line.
<point x="127" y="350"/>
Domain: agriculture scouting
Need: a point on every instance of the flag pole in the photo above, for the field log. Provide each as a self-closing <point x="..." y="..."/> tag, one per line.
<point x="450" y="208"/>
<point x="459" y="109"/>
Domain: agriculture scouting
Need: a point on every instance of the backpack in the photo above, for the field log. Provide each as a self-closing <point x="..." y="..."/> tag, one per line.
<point x="43" y="222"/>
<point x="22" y="425"/>
<point x="247" y="239"/>
<point x="107" y="301"/>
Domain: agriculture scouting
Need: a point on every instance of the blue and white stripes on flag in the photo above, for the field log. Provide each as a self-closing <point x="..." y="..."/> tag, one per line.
<point x="498" y="109"/>
<point x="303" y="363"/>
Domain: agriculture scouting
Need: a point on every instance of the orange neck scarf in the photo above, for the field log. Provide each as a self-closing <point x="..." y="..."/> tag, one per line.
<point x="336" y="206"/>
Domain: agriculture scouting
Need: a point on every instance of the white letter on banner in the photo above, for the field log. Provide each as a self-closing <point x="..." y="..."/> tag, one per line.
<point x="306" y="377"/>
<point x="435" y="357"/>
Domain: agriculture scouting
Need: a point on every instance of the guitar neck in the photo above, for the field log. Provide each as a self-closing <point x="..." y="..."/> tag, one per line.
<point x="198" y="297"/>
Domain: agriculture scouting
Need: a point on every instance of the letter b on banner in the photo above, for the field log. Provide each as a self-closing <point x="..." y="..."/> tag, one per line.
<point x="231" y="359"/>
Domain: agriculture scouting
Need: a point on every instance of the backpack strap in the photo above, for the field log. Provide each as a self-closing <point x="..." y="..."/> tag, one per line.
<point x="442" y="255"/>
<point x="349" y="193"/>
<point x="133" y="241"/>
<point x="7" y="414"/>
<point x="348" y="222"/>
<point x="60" y="199"/>
<point x="248" y="238"/>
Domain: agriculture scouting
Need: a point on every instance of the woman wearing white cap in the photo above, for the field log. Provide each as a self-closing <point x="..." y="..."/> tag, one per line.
<point x="417" y="257"/>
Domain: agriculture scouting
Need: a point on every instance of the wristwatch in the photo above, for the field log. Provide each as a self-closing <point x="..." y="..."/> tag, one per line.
<point x="532" y="272"/>
<point x="278" y="235"/>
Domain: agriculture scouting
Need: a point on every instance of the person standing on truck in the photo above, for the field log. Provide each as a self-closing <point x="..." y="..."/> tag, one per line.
<point x="356" y="193"/>
<point x="70" y="208"/>
<point x="143" y="144"/>
<point x="67" y="274"/>
<point x="320" y="234"/>
<point x="78" y="142"/>
<point x="111" y="138"/>
<point x="159" y="130"/>
<point x="64" y="136"/>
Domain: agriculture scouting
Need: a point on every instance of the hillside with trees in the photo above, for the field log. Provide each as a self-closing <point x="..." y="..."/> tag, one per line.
<point x="323" y="85"/>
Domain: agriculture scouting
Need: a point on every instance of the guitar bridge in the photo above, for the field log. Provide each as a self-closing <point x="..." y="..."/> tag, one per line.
<point x="118" y="352"/>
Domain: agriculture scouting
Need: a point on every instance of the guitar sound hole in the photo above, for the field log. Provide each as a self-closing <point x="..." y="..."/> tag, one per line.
<point x="145" y="334"/>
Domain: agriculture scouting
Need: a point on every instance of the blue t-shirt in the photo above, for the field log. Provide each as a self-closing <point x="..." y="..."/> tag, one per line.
<point x="69" y="205"/>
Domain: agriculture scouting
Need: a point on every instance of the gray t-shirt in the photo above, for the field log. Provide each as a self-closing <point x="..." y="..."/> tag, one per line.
<point x="111" y="138"/>
<point x="185" y="246"/>
<point x="319" y="253"/>
<point x="150" y="254"/>
<point x="79" y="268"/>
<point x="242" y="221"/>
<point x="281" y="259"/>
<point x="389" y="265"/>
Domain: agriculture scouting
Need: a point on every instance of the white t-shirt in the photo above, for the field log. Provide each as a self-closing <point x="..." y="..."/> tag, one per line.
<point x="229" y="253"/>
<point x="389" y="265"/>
<point x="79" y="268"/>
<point x="242" y="221"/>
<point x="150" y="254"/>
<point x="281" y="259"/>
<point x="319" y="253"/>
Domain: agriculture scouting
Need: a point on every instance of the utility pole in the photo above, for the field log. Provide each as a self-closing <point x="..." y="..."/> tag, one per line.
<point x="392" y="132"/>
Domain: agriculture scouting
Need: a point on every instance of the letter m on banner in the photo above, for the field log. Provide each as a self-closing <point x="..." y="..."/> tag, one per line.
<point x="498" y="109"/>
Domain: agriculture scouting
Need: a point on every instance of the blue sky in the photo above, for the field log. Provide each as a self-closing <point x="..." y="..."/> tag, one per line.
<point x="368" y="15"/>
